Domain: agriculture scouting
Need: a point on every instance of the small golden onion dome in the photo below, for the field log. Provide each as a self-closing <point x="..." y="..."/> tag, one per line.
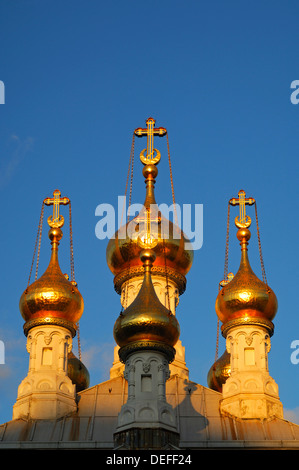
<point x="146" y="323"/>
<point x="219" y="372"/>
<point x="123" y="249"/>
<point x="245" y="296"/>
<point x="52" y="298"/>
<point x="77" y="372"/>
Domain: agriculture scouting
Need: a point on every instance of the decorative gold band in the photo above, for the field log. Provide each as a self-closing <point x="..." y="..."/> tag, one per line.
<point x="171" y="274"/>
<point x="72" y="327"/>
<point x="125" y="351"/>
<point x="267" y="324"/>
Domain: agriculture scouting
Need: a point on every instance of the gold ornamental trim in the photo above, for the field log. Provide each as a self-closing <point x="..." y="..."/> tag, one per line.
<point x="56" y="221"/>
<point x="72" y="327"/>
<point x="125" y="351"/>
<point x="138" y="271"/>
<point x="243" y="221"/>
<point x="150" y="155"/>
<point x="267" y="324"/>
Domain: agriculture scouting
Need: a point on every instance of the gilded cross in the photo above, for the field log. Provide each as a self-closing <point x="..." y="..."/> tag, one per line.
<point x="152" y="155"/>
<point x="243" y="221"/>
<point x="229" y="278"/>
<point x="146" y="222"/>
<point x="56" y="220"/>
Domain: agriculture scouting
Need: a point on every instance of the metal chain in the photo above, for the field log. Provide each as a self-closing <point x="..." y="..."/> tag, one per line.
<point x="175" y="213"/>
<point x="226" y="244"/>
<point x="39" y="241"/>
<point x="260" y="247"/>
<point x="166" y="274"/>
<point x="171" y="180"/>
<point x="132" y="168"/>
<point x="217" y="345"/>
<point x="71" y="244"/>
<point x="130" y="174"/>
<point x="73" y="273"/>
<point x="37" y="245"/>
<point x="126" y="293"/>
<point x="79" y="341"/>
<point x="224" y="277"/>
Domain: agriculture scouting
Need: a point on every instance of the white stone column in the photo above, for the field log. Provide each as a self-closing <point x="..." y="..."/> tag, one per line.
<point x="146" y="407"/>
<point x="250" y="391"/>
<point x="47" y="392"/>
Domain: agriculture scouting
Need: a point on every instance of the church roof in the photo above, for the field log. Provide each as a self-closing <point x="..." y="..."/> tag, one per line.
<point x="199" y="422"/>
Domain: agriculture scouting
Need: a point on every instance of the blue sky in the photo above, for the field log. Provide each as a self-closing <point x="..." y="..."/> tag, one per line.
<point x="79" y="78"/>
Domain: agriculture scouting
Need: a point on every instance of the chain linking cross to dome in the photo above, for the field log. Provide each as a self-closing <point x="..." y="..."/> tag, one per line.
<point x="152" y="155"/>
<point x="56" y="220"/>
<point x="243" y="221"/>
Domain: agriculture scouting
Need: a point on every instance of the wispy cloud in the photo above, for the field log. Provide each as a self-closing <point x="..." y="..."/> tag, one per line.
<point x="292" y="415"/>
<point x="98" y="359"/>
<point x="18" y="148"/>
<point x="16" y="362"/>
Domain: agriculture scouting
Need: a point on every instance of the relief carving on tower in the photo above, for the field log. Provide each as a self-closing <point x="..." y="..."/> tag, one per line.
<point x="249" y="391"/>
<point x="146" y="373"/>
<point x="48" y="347"/>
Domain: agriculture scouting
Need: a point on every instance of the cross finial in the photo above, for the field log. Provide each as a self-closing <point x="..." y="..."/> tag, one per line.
<point x="56" y="220"/>
<point x="147" y="235"/>
<point x="229" y="278"/>
<point x="152" y="155"/>
<point x="243" y="221"/>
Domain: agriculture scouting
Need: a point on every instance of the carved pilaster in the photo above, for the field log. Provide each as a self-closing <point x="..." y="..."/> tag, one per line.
<point x="46" y="392"/>
<point x="250" y="391"/>
<point x="146" y="407"/>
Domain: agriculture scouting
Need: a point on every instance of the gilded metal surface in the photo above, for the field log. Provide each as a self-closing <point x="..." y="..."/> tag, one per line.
<point x="219" y="372"/>
<point x="267" y="324"/>
<point x="125" y="351"/>
<point x="243" y="221"/>
<point x="245" y="296"/>
<point x="138" y="271"/>
<point x="152" y="155"/>
<point x="52" y="295"/>
<point x="123" y="249"/>
<point x="72" y="327"/>
<point x="57" y="220"/>
<point x="77" y="372"/>
<point x="229" y="277"/>
<point x="146" y="319"/>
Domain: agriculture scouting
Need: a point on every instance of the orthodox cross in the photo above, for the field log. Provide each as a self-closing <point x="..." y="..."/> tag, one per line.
<point x="148" y="229"/>
<point x="152" y="155"/>
<point x="243" y="221"/>
<point x="56" y="220"/>
<point x="223" y="283"/>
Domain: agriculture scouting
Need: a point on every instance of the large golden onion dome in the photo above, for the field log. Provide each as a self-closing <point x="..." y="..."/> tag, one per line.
<point x="245" y="298"/>
<point x="77" y="372"/>
<point x="146" y="323"/>
<point x="123" y="250"/>
<point x="219" y="372"/>
<point x="52" y="298"/>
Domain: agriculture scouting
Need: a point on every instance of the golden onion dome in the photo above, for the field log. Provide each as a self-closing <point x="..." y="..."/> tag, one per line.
<point x="245" y="297"/>
<point x="52" y="298"/>
<point x="146" y="323"/>
<point x="77" y="372"/>
<point x="123" y="250"/>
<point x="219" y="372"/>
